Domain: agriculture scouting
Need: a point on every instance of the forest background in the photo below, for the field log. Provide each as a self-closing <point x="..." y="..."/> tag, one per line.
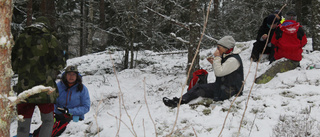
<point x="88" y="26"/>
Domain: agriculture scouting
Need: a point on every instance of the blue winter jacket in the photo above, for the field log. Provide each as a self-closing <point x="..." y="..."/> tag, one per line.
<point x="78" y="103"/>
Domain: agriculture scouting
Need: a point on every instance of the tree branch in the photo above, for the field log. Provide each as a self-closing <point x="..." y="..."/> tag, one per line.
<point x="179" y="38"/>
<point x="183" y="25"/>
<point x="27" y="93"/>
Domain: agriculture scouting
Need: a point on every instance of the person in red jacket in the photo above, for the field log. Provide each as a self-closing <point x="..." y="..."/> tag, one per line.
<point x="288" y="39"/>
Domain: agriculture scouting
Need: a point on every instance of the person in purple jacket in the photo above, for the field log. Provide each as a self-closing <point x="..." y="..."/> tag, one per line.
<point x="73" y="99"/>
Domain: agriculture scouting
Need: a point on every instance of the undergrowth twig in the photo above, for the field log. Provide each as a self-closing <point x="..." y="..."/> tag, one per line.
<point x="194" y="57"/>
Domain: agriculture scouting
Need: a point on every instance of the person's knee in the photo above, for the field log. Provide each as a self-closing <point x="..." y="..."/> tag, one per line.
<point x="47" y="118"/>
<point x="23" y="129"/>
<point x="24" y="126"/>
<point x="201" y="93"/>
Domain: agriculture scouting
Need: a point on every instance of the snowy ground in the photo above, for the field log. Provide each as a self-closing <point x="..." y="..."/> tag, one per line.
<point x="289" y="103"/>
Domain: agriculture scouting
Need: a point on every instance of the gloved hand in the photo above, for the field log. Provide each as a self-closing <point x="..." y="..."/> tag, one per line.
<point x="269" y="44"/>
<point x="63" y="110"/>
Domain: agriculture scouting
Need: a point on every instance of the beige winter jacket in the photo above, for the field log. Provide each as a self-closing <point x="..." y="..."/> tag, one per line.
<point x="228" y="66"/>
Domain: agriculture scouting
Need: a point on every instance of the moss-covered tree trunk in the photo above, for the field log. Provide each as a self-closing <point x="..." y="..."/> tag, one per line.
<point x="6" y="42"/>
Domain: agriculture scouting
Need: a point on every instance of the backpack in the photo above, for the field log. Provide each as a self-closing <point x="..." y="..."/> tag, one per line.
<point x="198" y="77"/>
<point x="60" y="125"/>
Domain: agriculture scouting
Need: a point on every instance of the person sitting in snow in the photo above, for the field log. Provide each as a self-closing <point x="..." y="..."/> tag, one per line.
<point x="228" y="69"/>
<point x="262" y="37"/>
<point x="278" y="15"/>
<point x="288" y="40"/>
<point x="73" y="101"/>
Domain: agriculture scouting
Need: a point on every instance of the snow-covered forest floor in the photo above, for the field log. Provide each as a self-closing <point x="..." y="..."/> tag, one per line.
<point x="288" y="105"/>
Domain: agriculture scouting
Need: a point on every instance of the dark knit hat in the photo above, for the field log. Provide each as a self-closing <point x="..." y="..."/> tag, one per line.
<point x="277" y="12"/>
<point x="271" y="18"/>
<point x="291" y="15"/>
<point x="227" y="42"/>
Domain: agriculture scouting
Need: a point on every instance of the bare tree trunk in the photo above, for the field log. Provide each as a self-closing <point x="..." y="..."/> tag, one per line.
<point x="48" y="10"/>
<point x="126" y="58"/>
<point x="90" y="27"/>
<point x="216" y="16"/>
<point x="132" y="53"/>
<point x="315" y="25"/>
<point x="81" y="28"/>
<point x="194" y="37"/>
<point x="43" y="7"/>
<point x="83" y="31"/>
<point x="102" y="15"/>
<point x="51" y="13"/>
<point x="150" y="25"/>
<point x="133" y="32"/>
<point x="6" y="42"/>
<point x="29" y="12"/>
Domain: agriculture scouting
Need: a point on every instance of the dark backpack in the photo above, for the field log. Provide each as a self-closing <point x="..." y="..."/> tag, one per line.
<point x="198" y="77"/>
<point x="60" y="125"/>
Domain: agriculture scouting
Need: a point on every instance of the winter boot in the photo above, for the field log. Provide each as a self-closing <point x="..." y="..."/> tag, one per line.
<point x="172" y="102"/>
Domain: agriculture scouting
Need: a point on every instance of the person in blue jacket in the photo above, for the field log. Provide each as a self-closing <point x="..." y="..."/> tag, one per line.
<point x="71" y="104"/>
<point x="73" y="99"/>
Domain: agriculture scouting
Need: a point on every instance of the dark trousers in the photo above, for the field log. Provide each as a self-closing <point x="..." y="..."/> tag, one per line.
<point x="201" y="90"/>
<point x="257" y="50"/>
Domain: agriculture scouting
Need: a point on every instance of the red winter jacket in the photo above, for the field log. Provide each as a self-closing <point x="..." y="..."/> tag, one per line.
<point x="288" y="39"/>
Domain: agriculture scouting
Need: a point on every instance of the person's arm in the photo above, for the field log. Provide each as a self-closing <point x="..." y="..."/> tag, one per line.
<point x="261" y="32"/>
<point x="304" y="40"/>
<point x="58" y="100"/>
<point x="17" y="53"/>
<point x="302" y="36"/>
<point x="229" y="66"/>
<point x="84" y="105"/>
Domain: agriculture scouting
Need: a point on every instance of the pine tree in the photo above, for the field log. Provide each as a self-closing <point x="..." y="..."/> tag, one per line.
<point x="6" y="43"/>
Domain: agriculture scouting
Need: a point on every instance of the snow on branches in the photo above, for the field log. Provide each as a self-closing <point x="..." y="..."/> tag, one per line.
<point x="27" y="93"/>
